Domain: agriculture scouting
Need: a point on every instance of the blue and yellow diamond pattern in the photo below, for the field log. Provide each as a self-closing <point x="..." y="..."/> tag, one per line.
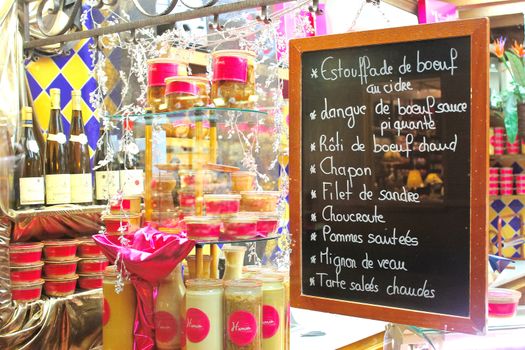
<point x="67" y="72"/>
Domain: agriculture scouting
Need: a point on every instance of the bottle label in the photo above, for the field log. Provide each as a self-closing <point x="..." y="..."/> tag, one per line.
<point x="132" y="182"/>
<point x="60" y="138"/>
<point x="33" y="146"/>
<point x="58" y="189"/>
<point x="106" y="184"/>
<point x="197" y="325"/>
<point x="165" y="326"/>
<point x="82" y="139"/>
<point x="105" y="313"/>
<point x="242" y="328"/>
<point x="32" y="190"/>
<point x="230" y="68"/>
<point x="81" y="188"/>
<point x="270" y="321"/>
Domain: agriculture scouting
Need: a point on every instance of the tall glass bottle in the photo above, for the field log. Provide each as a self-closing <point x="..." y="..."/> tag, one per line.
<point x="79" y="166"/>
<point x="107" y="181"/>
<point x="31" y="190"/>
<point x="58" y="179"/>
<point x="131" y="173"/>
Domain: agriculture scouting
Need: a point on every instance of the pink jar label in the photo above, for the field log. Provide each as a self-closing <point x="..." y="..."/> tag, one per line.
<point x="242" y="328"/>
<point x="158" y="72"/>
<point x="270" y="321"/>
<point x="230" y="68"/>
<point x="165" y="326"/>
<point x="197" y="325"/>
<point x="105" y="313"/>
<point x="182" y="87"/>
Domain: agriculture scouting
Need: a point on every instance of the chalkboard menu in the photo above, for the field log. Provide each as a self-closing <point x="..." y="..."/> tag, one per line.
<point x="389" y="155"/>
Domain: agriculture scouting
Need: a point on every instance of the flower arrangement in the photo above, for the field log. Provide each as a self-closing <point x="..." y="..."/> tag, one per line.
<point x="514" y="61"/>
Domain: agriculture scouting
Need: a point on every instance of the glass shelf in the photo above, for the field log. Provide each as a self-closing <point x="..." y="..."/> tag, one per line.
<point x="226" y="241"/>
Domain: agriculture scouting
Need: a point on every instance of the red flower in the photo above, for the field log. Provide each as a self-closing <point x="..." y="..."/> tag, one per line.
<point x="499" y="47"/>
<point x="518" y="49"/>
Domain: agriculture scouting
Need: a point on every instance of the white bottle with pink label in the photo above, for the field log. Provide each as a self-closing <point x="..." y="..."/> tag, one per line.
<point x="204" y="314"/>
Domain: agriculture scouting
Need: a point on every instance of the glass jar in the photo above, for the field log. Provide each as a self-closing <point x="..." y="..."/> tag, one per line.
<point x="267" y="223"/>
<point x="233" y="82"/>
<point x="203" y="228"/>
<point x="204" y="314"/>
<point x="234" y="256"/>
<point x="242" y="181"/>
<point x="187" y="199"/>
<point x="118" y="313"/>
<point x="240" y="227"/>
<point x="192" y="266"/>
<point x="185" y="92"/>
<point x="254" y="271"/>
<point x="259" y="201"/>
<point x="243" y="314"/>
<point x="158" y="70"/>
<point x="274" y="309"/>
<point x="169" y="311"/>
<point x="221" y="204"/>
<point x="285" y="273"/>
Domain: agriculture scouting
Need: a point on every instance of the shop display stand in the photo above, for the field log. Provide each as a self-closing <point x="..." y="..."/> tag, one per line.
<point x="199" y="159"/>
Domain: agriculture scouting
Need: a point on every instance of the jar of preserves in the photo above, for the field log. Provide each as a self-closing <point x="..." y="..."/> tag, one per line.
<point x="242" y="181"/>
<point x="233" y="82"/>
<point x="204" y="314"/>
<point x="203" y="228"/>
<point x="240" y="227"/>
<point x="222" y="204"/>
<point x="158" y="70"/>
<point x="243" y="314"/>
<point x="259" y="201"/>
<point x="118" y="313"/>
<point x="273" y="311"/>
<point x="169" y="311"/>
<point x="185" y="92"/>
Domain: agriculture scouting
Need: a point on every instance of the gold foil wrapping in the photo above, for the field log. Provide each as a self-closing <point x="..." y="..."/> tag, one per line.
<point x="73" y="322"/>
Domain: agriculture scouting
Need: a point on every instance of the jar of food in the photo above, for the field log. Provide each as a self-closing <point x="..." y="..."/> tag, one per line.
<point x="118" y="315"/>
<point x="203" y="228"/>
<point x="240" y="227"/>
<point x="90" y="281"/>
<point x="259" y="201"/>
<point x="169" y="311"/>
<point x="158" y="70"/>
<point x="267" y="223"/>
<point x="285" y="273"/>
<point x="253" y="271"/>
<point x="60" y="249"/>
<point x="221" y="204"/>
<point x="25" y="253"/>
<point x="126" y="204"/>
<point x="242" y="181"/>
<point x="189" y="177"/>
<point x="25" y="292"/>
<point x="162" y="201"/>
<point x="234" y="256"/>
<point x="187" y="200"/>
<point x="233" y="82"/>
<point x="243" y="314"/>
<point x="121" y="224"/>
<point x="163" y="183"/>
<point x="204" y="314"/>
<point x="26" y="273"/>
<point x="185" y="92"/>
<point x="60" y="269"/>
<point x="60" y="287"/>
<point x="274" y="308"/>
<point x="87" y="248"/>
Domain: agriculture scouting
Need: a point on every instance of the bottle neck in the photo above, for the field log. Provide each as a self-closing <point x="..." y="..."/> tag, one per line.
<point x="27" y="123"/>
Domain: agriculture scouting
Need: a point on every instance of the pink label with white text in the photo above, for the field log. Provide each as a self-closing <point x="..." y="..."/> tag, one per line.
<point x="197" y="325"/>
<point x="270" y="321"/>
<point x="230" y="68"/>
<point x="242" y="328"/>
<point x="165" y="326"/>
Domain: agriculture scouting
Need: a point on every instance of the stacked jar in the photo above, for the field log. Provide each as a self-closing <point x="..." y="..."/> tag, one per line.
<point x="493" y="181"/>
<point x="520" y="183"/>
<point x="506" y="181"/>
<point x="91" y="265"/>
<point x="498" y="141"/>
<point x="158" y="70"/>
<point x="26" y="271"/>
<point x="125" y="216"/>
<point x="60" y="266"/>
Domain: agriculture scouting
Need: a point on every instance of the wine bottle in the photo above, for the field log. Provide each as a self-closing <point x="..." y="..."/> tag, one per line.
<point x="31" y="190"/>
<point x="58" y="179"/>
<point x="79" y="166"/>
<point x="107" y="181"/>
<point x="131" y="173"/>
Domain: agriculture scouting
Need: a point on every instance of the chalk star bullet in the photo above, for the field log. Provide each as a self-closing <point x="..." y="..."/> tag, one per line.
<point x="312" y="169"/>
<point x="313" y="75"/>
<point x="313" y="115"/>
<point x="312" y="147"/>
<point x="313" y="194"/>
<point x="312" y="259"/>
<point x="312" y="281"/>
<point x="313" y="217"/>
<point x="313" y="236"/>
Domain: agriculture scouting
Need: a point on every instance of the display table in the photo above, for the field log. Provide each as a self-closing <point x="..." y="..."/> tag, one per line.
<point x="339" y="331"/>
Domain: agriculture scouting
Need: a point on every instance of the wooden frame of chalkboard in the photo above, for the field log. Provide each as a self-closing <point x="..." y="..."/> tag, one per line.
<point x="466" y="314"/>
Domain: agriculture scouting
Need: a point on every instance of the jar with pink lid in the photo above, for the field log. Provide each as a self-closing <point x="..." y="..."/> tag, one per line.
<point x="185" y="92"/>
<point x="233" y="84"/>
<point x="158" y="70"/>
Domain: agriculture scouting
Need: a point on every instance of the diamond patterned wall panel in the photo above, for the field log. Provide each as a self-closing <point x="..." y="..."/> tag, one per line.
<point x="506" y="208"/>
<point x="65" y="72"/>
